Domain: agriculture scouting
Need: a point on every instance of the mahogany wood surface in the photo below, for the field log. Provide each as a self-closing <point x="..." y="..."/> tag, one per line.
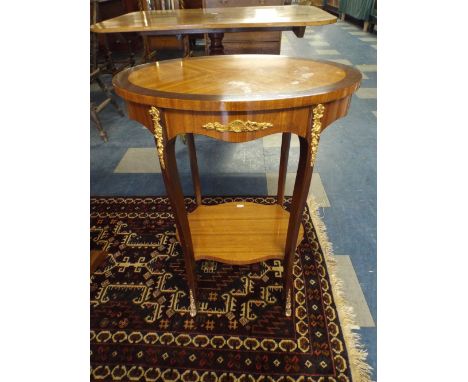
<point x="239" y="232"/>
<point x="194" y="168"/>
<point x="203" y="20"/>
<point x="283" y="169"/>
<point x="301" y="190"/>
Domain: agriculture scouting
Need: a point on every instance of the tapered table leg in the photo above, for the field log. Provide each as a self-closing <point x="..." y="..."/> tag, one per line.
<point x="194" y="167"/>
<point x="301" y="190"/>
<point x="308" y="152"/>
<point x="167" y="159"/>
<point x="283" y="169"/>
<point x="174" y="190"/>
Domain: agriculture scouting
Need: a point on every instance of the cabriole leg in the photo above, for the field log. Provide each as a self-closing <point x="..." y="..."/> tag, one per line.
<point x="301" y="190"/>
<point x="283" y="169"/>
<point x="167" y="159"/>
<point x="194" y="167"/>
<point x="308" y="153"/>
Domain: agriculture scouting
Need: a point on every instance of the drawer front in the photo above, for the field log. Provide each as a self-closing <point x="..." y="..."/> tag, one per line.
<point x="165" y="42"/>
<point x="252" y="36"/>
<point x="294" y="120"/>
<point x="252" y="47"/>
<point x="240" y="3"/>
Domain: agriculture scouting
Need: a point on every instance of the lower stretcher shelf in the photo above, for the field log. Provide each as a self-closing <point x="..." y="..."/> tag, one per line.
<point x="239" y="232"/>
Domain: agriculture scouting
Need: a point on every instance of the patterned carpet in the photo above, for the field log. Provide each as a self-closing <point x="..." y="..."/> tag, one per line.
<point x="141" y="329"/>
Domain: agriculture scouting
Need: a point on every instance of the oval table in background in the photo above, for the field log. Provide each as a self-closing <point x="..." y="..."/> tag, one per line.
<point x="237" y="99"/>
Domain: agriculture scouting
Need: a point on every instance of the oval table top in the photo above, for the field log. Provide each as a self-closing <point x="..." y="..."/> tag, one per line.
<point x="237" y="82"/>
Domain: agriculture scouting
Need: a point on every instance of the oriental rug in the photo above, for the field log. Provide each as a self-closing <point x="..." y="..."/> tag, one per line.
<point x="141" y="329"/>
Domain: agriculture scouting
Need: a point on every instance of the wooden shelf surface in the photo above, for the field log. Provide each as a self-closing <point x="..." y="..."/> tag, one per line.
<point x="97" y="257"/>
<point x="239" y="232"/>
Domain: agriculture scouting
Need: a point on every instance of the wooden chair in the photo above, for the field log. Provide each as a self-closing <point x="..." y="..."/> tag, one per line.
<point x="260" y="42"/>
<point x="96" y="108"/>
<point x="370" y="24"/>
<point x="109" y="65"/>
<point x="363" y="10"/>
<point x="153" y="43"/>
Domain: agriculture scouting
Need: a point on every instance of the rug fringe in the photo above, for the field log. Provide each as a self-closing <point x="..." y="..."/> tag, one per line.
<point x="360" y="369"/>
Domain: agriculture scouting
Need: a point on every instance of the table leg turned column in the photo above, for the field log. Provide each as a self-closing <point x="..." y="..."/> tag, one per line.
<point x="308" y="151"/>
<point x="167" y="158"/>
<point x="216" y="43"/>
<point x="194" y="167"/>
<point x="285" y="143"/>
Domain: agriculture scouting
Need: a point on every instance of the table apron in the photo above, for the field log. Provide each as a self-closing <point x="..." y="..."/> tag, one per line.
<point x="222" y="30"/>
<point x="238" y="126"/>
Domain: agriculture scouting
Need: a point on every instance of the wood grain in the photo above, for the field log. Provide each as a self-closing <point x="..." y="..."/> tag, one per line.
<point x="293" y="120"/>
<point x="96" y="259"/>
<point x="199" y="20"/>
<point x="252" y="47"/>
<point x="221" y="83"/>
<point x="239" y="232"/>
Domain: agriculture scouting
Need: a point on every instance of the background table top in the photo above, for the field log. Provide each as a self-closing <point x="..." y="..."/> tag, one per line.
<point x="216" y="18"/>
<point x="236" y="79"/>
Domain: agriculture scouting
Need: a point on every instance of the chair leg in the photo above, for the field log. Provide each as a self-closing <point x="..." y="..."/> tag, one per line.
<point x="186" y="44"/>
<point x="109" y="95"/>
<point x="131" y="58"/>
<point x="117" y="107"/>
<point x="149" y="55"/>
<point x="95" y="118"/>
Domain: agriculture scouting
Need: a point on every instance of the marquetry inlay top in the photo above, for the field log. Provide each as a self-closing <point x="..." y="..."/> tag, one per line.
<point x="289" y="81"/>
<point x="237" y="76"/>
<point x="212" y="18"/>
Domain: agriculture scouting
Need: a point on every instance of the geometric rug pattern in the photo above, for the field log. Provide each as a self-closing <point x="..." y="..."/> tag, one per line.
<point x="141" y="329"/>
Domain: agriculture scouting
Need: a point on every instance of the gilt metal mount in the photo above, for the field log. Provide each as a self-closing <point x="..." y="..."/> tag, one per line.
<point x="315" y="134"/>
<point x="154" y="112"/>
<point x="193" y="308"/>
<point x="237" y="126"/>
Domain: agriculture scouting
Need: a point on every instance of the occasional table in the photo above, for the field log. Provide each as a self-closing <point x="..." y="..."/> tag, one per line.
<point x="214" y="96"/>
<point x="217" y="21"/>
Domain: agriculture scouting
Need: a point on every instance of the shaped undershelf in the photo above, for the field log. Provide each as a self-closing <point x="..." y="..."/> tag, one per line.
<point x="239" y="232"/>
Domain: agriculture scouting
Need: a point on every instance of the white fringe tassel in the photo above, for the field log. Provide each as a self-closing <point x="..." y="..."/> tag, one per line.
<point x="360" y="370"/>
